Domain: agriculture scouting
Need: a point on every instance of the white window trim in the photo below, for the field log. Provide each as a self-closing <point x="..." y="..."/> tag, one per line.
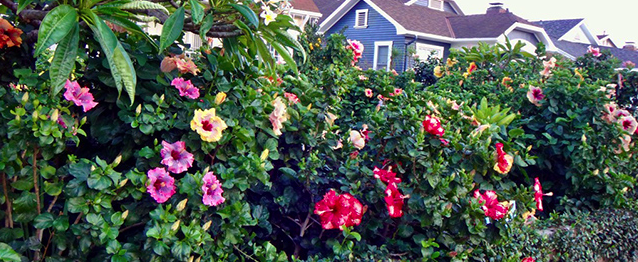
<point x="440" y="51"/>
<point x="365" y="21"/>
<point x="377" y="44"/>
<point x="442" y="5"/>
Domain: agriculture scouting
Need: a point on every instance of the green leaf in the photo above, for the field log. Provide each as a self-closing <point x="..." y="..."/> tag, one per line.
<point x="55" y="25"/>
<point x="8" y="254"/>
<point x="207" y="24"/>
<point x="22" y="4"/>
<point x="283" y="52"/>
<point x="131" y="27"/>
<point x="247" y="13"/>
<point x="288" y="40"/>
<point x="197" y="12"/>
<point x="64" y="59"/>
<point x="120" y="63"/>
<point x="53" y="189"/>
<point x="172" y="29"/>
<point x="142" y="5"/>
<point x="43" y="221"/>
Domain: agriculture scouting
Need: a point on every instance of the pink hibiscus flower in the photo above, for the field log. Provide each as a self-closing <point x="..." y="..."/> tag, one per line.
<point x="291" y="97"/>
<point x="628" y="123"/>
<point x="175" y="157"/>
<point x="79" y="95"/>
<point x="394" y="200"/>
<point x="594" y="51"/>
<point x="186" y="88"/>
<point x="535" y="95"/>
<point x="212" y="190"/>
<point x="160" y="185"/>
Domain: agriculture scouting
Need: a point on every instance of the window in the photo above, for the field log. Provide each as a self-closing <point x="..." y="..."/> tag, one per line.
<point x="382" y="55"/>
<point x="361" y="21"/>
<point x="436" y="4"/>
<point x="425" y="50"/>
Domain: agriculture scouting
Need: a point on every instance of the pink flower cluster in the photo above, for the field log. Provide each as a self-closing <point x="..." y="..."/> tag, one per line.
<point x="594" y="51"/>
<point x="80" y="96"/>
<point x="161" y="185"/>
<point x="186" y="88"/>
<point x="357" y="49"/>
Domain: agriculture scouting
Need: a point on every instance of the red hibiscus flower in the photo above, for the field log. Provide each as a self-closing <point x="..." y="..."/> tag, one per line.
<point x="292" y="98"/>
<point x="336" y="210"/>
<point x="538" y="194"/>
<point x="528" y="259"/>
<point x="9" y="35"/>
<point x="394" y="200"/>
<point x="432" y="125"/>
<point x="493" y="209"/>
<point x="387" y="176"/>
<point x="503" y="160"/>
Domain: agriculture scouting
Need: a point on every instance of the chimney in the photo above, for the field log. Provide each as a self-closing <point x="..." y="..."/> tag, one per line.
<point x="496" y="8"/>
<point x="630" y="46"/>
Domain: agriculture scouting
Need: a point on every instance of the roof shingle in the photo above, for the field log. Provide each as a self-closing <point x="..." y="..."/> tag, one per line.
<point x="558" y="28"/>
<point x="305" y="5"/>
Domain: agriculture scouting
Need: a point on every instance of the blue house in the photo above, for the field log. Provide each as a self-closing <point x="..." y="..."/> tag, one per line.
<point x="389" y="28"/>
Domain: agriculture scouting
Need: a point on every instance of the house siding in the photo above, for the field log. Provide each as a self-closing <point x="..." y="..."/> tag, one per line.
<point x="379" y="29"/>
<point x="518" y="34"/>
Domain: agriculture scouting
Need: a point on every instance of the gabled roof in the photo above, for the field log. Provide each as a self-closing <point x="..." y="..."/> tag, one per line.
<point x="305" y="5"/>
<point x="579" y="49"/>
<point x="558" y="28"/>
<point x="484" y="25"/>
<point x="417" y="18"/>
<point x="327" y="7"/>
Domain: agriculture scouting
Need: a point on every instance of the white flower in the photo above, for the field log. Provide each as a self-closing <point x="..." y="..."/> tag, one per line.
<point x="357" y="139"/>
<point x="268" y="16"/>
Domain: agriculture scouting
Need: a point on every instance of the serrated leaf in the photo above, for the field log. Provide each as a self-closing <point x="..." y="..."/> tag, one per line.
<point x="172" y="29"/>
<point x="55" y="25"/>
<point x="64" y="59"/>
<point x="247" y="13"/>
<point x="197" y="12"/>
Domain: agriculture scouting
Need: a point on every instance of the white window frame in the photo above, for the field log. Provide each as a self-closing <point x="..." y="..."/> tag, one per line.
<point x="439" y="50"/>
<point x="365" y="21"/>
<point x="442" y="4"/>
<point x="377" y="44"/>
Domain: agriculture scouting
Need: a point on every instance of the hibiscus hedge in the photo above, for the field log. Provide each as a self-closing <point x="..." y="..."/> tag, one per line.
<point x="225" y="155"/>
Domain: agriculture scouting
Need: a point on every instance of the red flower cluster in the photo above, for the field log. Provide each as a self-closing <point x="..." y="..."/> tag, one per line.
<point x="387" y="176"/>
<point x="9" y="35"/>
<point x="432" y="125"/>
<point x="528" y="259"/>
<point x="493" y="209"/>
<point x="393" y="197"/>
<point x="394" y="200"/>
<point x="357" y="49"/>
<point x="336" y="210"/>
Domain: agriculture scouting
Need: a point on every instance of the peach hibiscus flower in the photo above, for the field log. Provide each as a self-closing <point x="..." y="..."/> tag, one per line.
<point x="208" y="125"/>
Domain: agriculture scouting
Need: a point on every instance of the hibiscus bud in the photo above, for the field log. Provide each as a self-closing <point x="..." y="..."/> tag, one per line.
<point x="161" y="99"/>
<point x="264" y="154"/>
<point x="123" y="182"/>
<point x="117" y="160"/>
<point x="83" y="121"/>
<point x="205" y="170"/>
<point x="125" y="214"/>
<point x="25" y="98"/>
<point x="181" y="205"/>
<point x="92" y="168"/>
<point x="138" y="110"/>
<point x="175" y="225"/>
<point x="595" y="173"/>
<point x="35" y="115"/>
<point x="55" y="115"/>
<point x="583" y="138"/>
<point x="207" y="225"/>
<point x="198" y="259"/>
<point x="220" y="98"/>
<point x="190" y="259"/>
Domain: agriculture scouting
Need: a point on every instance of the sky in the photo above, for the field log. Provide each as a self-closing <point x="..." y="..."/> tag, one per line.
<point x="615" y="17"/>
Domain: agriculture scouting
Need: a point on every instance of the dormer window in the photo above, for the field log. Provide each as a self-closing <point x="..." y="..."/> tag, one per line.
<point x="361" y="20"/>
<point x="436" y="4"/>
